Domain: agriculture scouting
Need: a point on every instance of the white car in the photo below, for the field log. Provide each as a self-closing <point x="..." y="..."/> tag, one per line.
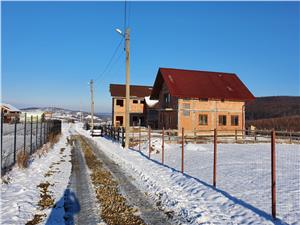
<point x="97" y="131"/>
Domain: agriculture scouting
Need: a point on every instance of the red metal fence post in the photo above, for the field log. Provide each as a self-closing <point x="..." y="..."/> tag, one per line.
<point x="182" y="150"/>
<point x="235" y="135"/>
<point x="149" y="137"/>
<point x="215" y="158"/>
<point x="273" y="169"/>
<point x="163" y="146"/>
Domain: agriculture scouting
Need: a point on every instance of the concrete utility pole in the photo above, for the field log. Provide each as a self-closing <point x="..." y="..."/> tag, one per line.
<point x="127" y="118"/>
<point x="92" y="103"/>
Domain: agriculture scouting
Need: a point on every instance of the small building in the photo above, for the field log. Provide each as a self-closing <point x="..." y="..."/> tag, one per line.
<point x="10" y="113"/>
<point x="48" y="115"/>
<point x="136" y="107"/>
<point x="35" y="115"/>
<point x="200" y="100"/>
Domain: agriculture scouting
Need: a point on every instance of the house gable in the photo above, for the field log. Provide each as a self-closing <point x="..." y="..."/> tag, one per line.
<point x="201" y="84"/>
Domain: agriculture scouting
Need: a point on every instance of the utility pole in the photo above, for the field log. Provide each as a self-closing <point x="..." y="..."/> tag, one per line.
<point x="92" y="103"/>
<point x="127" y="118"/>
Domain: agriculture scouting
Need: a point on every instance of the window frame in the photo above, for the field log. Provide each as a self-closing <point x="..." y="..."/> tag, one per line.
<point x="205" y="120"/>
<point x="233" y="120"/>
<point x="221" y="121"/>
<point x="122" y="105"/>
<point x="186" y="110"/>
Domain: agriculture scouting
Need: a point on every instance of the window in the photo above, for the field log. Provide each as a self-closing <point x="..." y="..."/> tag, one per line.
<point x="142" y="101"/>
<point x="222" y="120"/>
<point x="234" y="120"/>
<point x="120" y="102"/>
<point x="119" y="120"/>
<point x="203" y="119"/>
<point x="135" y="101"/>
<point x="167" y="99"/>
<point x="186" y="109"/>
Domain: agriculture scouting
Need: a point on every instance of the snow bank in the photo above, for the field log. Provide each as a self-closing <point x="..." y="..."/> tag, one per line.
<point x="20" y="196"/>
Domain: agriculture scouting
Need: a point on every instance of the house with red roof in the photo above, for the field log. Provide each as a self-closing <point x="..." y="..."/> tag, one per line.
<point x="200" y="100"/>
<point x="137" y="104"/>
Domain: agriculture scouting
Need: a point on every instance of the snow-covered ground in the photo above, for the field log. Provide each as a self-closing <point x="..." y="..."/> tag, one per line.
<point x="243" y="194"/>
<point x="19" y="192"/>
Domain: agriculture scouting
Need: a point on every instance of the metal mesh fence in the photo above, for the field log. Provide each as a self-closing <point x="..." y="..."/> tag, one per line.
<point x="27" y="137"/>
<point x="288" y="183"/>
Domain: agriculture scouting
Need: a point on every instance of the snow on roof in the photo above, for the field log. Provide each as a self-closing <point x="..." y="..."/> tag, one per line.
<point x="89" y="117"/>
<point x="10" y="107"/>
<point x="149" y="102"/>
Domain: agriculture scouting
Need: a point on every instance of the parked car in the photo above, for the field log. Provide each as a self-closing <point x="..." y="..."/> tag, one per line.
<point x="97" y="131"/>
<point x="86" y="126"/>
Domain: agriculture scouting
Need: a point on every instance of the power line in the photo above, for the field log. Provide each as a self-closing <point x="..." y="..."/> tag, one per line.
<point x="110" y="61"/>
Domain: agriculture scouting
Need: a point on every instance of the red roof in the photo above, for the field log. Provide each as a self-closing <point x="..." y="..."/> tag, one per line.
<point x="201" y="84"/>
<point x="119" y="90"/>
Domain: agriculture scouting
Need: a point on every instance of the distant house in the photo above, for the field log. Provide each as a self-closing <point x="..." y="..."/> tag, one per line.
<point x="35" y="115"/>
<point x="10" y="113"/>
<point x="136" y="107"/>
<point x="48" y="115"/>
<point x="200" y="100"/>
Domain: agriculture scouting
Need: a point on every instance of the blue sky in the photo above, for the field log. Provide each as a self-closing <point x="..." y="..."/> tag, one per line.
<point x="50" y="50"/>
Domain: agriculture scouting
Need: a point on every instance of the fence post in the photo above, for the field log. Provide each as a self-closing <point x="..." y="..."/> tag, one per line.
<point x="41" y="133"/>
<point x="290" y="137"/>
<point x="182" y="150"/>
<point x="149" y="137"/>
<point x="25" y="133"/>
<point x="235" y="135"/>
<point x="254" y="135"/>
<point x="30" y="135"/>
<point x="215" y="158"/>
<point x="140" y="138"/>
<point x="273" y="169"/>
<point x="36" y="132"/>
<point x="2" y="118"/>
<point x="123" y="143"/>
<point x="163" y="146"/>
<point x="15" y="141"/>
<point x="44" y="132"/>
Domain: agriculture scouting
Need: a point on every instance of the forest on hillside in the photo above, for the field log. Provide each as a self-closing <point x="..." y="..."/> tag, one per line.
<point x="274" y="112"/>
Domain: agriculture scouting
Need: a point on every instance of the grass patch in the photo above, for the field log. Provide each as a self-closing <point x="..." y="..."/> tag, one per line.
<point x="36" y="219"/>
<point x="22" y="159"/>
<point x="46" y="201"/>
<point x="114" y="208"/>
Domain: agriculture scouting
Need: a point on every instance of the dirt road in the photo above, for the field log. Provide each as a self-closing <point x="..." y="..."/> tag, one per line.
<point x="133" y="206"/>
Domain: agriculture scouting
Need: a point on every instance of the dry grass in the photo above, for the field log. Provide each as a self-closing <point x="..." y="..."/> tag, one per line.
<point x="22" y="159"/>
<point x="36" y="219"/>
<point x="46" y="201"/>
<point x="53" y="139"/>
<point x="115" y="209"/>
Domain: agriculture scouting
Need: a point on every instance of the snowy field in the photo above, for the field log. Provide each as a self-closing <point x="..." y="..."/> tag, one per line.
<point x="243" y="194"/>
<point x="20" y="194"/>
<point x="243" y="172"/>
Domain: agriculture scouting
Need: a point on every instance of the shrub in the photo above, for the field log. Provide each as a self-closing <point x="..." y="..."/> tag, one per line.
<point x="22" y="159"/>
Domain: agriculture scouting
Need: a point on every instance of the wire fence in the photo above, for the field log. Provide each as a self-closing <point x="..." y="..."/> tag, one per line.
<point x="27" y="136"/>
<point x="257" y="169"/>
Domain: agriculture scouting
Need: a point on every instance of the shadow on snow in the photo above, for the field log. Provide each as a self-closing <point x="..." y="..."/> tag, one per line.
<point x="64" y="209"/>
